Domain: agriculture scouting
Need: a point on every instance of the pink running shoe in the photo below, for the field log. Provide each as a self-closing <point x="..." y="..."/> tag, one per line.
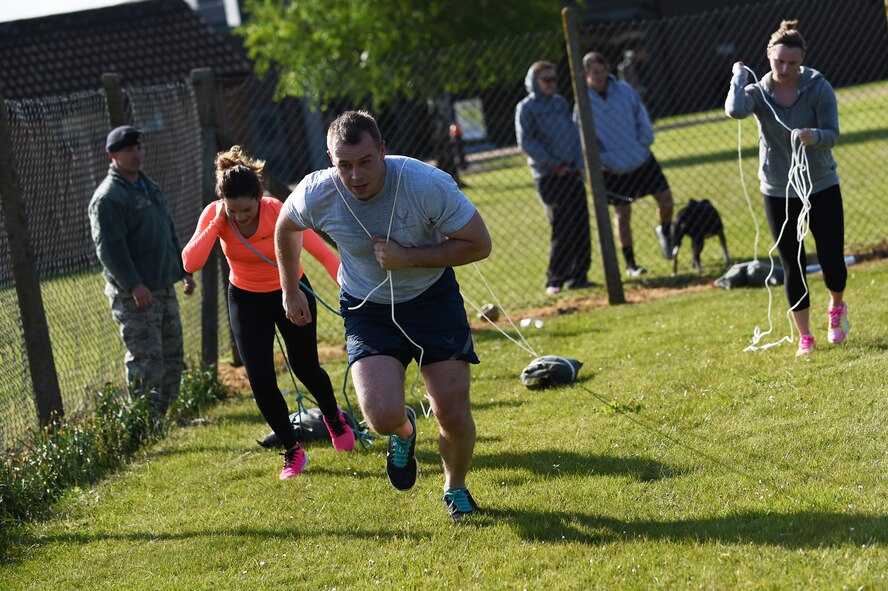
<point x="806" y="345"/>
<point x="839" y="327"/>
<point x="295" y="462"/>
<point x="342" y="435"/>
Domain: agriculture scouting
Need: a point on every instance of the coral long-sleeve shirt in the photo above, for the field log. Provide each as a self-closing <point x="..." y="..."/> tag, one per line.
<point x="249" y="271"/>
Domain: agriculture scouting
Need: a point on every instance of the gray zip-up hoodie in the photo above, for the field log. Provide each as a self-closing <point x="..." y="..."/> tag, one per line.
<point x="814" y="108"/>
<point x="546" y="132"/>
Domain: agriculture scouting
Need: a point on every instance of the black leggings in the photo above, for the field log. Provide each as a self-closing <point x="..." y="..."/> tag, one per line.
<point x="253" y="318"/>
<point x="827" y="225"/>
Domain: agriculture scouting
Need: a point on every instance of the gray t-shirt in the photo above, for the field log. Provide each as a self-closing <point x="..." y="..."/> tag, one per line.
<point x="427" y="207"/>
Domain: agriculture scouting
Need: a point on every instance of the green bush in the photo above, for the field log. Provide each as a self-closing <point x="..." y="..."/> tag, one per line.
<point x="201" y="389"/>
<point x="81" y="449"/>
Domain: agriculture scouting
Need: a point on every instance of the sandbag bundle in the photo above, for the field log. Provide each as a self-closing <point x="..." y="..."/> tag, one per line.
<point x="550" y="370"/>
<point x="750" y="274"/>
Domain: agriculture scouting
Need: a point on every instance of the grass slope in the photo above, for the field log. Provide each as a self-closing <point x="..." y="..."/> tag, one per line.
<point x="678" y="460"/>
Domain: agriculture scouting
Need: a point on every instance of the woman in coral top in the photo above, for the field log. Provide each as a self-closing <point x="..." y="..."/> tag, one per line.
<point x="243" y="220"/>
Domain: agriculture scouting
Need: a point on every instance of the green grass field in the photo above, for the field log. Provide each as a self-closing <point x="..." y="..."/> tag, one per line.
<point x="677" y="460"/>
<point x="698" y="153"/>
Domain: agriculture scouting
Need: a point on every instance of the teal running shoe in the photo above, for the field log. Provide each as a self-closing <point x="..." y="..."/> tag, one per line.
<point x="400" y="458"/>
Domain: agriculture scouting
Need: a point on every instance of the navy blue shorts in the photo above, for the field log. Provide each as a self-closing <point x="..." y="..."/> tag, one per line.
<point x="647" y="179"/>
<point x="435" y="319"/>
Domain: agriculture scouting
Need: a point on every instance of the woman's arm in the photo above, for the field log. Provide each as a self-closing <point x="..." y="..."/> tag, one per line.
<point x="740" y="103"/>
<point x="197" y="251"/>
<point x="827" y="133"/>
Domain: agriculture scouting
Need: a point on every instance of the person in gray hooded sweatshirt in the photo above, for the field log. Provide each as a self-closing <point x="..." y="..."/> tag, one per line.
<point x="628" y="166"/>
<point x="551" y="140"/>
<point x="803" y="100"/>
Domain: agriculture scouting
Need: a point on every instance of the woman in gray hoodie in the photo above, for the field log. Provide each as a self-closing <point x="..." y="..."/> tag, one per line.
<point x="799" y="98"/>
<point x="551" y="140"/>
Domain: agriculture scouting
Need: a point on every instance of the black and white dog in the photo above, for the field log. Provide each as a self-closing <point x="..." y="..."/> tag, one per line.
<point x="699" y="220"/>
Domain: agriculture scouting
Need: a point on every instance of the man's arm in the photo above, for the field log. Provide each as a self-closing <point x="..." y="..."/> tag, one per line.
<point x="468" y="244"/>
<point x="288" y="249"/>
<point x="643" y="126"/>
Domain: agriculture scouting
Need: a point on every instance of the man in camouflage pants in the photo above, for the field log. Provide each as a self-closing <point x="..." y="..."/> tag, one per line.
<point x="140" y="253"/>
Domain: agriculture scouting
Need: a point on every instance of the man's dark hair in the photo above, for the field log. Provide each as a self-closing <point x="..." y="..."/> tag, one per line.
<point x="350" y="127"/>
<point x="593" y="57"/>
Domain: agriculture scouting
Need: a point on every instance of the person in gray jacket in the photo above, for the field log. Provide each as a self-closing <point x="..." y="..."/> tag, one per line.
<point x="629" y="168"/>
<point x="802" y="98"/>
<point x="551" y="140"/>
<point x="140" y="253"/>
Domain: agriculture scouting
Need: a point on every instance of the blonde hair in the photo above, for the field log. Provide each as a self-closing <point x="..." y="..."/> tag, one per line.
<point x="788" y="34"/>
<point x="238" y="175"/>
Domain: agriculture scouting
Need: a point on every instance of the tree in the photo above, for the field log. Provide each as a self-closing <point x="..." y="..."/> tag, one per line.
<point x="327" y="49"/>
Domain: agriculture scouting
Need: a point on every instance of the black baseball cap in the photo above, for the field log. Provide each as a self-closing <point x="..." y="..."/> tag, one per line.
<point x="123" y="137"/>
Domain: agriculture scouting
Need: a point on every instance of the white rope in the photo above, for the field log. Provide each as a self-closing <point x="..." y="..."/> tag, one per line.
<point x="388" y="279"/>
<point x="524" y="346"/>
<point x="799" y="179"/>
<point x="755" y="244"/>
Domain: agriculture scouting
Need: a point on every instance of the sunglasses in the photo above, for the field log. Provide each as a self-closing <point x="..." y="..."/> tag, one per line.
<point x="548" y="79"/>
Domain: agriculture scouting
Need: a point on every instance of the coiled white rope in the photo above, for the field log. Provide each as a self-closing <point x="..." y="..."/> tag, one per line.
<point x="799" y="179"/>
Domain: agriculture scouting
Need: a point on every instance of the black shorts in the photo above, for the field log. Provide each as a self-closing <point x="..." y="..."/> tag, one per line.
<point x="647" y="179"/>
<point x="435" y="319"/>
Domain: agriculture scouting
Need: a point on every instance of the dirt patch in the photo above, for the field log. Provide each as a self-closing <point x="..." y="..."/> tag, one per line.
<point x="648" y="290"/>
<point x="235" y="377"/>
<point x="633" y="294"/>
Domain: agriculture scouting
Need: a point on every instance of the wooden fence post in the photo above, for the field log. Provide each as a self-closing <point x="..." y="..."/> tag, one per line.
<point x="593" y="161"/>
<point x="47" y="395"/>
<point x="114" y="96"/>
<point x="205" y="90"/>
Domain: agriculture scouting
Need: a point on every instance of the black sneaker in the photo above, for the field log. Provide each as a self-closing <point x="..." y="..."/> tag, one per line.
<point x="460" y="503"/>
<point x="400" y="458"/>
<point x="582" y="284"/>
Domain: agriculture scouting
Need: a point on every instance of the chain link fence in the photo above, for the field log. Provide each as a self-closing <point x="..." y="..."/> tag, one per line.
<point x="681" y="66"/>
<point x="59" y="157"/>
<point x="682" y="69"/>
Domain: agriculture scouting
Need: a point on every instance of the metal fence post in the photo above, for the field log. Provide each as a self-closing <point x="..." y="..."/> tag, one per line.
<point x="47" y="396"/>
<point x="593" y="163"/>
<point x="205" y="91"/>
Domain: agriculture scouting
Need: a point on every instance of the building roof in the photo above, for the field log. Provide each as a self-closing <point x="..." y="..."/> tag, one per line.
<point x="146" y="43"/>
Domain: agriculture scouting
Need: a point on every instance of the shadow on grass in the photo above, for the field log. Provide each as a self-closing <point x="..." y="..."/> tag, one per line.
<point x="196" y="450"/>
<point x="555" y="463"/>
<point x="249" y="417"/>
<point x="854" y="137"/>
<point x="496" y="404"/>
<point x="282" y="534"/>
<point x="680" y="281"/>
<point x="791" y="530"/>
